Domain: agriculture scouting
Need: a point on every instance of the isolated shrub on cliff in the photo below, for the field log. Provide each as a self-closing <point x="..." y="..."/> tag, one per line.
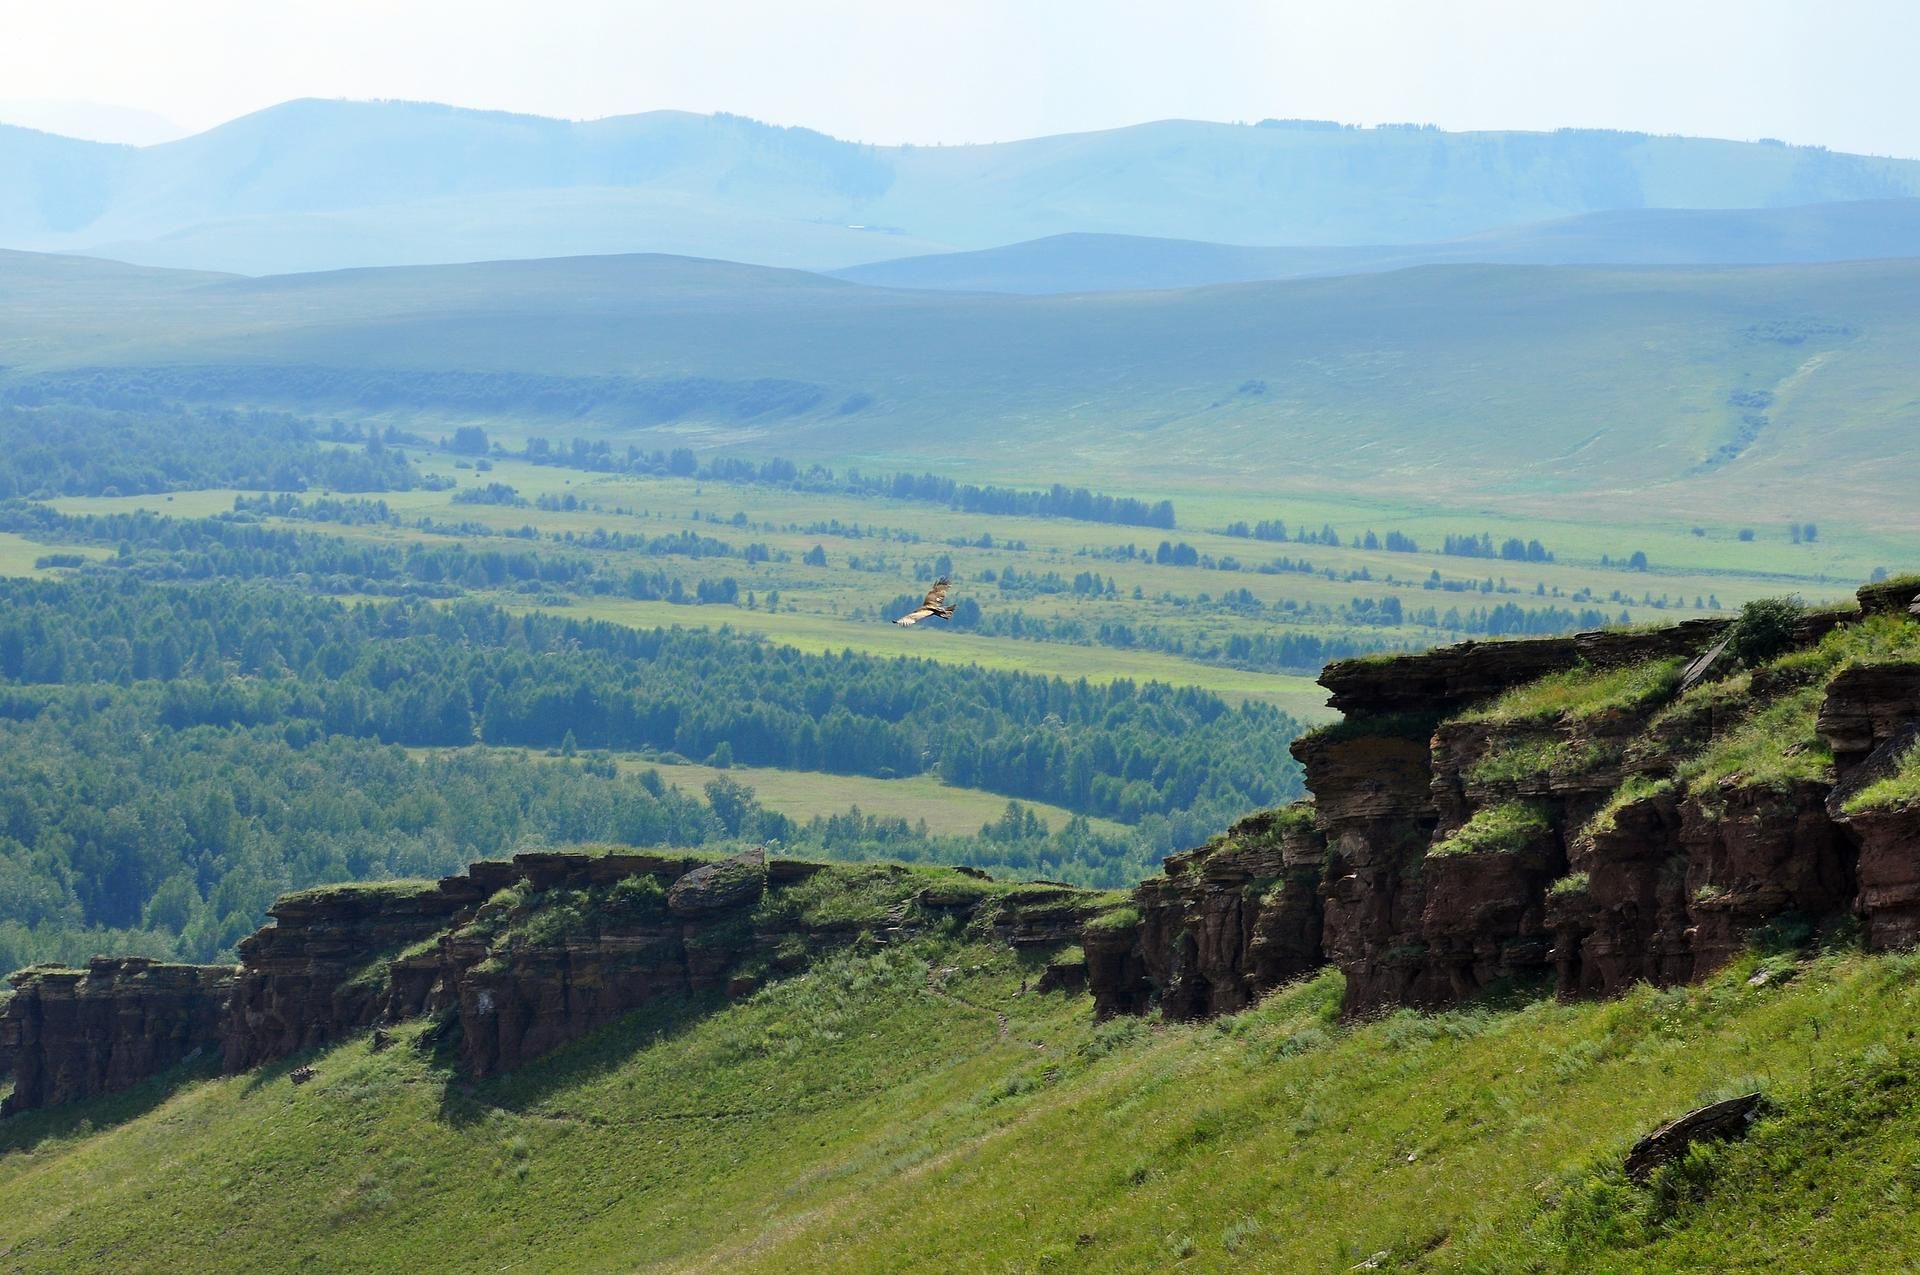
<point x="1764" y="629"/>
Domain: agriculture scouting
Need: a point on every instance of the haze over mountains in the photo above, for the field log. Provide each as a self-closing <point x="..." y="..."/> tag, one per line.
<point x="320" y="184"/>
<point x="1855" y="231"/>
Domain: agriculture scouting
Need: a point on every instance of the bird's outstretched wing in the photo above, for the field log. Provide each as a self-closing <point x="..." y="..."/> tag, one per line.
<point x="935" y="605"/>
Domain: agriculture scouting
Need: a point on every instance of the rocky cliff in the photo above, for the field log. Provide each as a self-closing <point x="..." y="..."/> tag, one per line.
<point x="69" y="1034"/>
<point x="523" y="956"/>
<point x="1558" y="811"/>
<point x="514" y="959"/>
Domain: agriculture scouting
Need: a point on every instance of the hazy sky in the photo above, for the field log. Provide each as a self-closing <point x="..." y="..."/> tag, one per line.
<point x="1835" y="72"/>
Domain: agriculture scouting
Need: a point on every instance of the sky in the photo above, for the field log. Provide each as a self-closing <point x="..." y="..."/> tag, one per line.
<point x="1829" y="72"/>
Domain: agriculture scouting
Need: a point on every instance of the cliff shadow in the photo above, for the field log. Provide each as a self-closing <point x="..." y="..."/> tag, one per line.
<point x="30" y="1130"/>
<point x="605" y="1049"/>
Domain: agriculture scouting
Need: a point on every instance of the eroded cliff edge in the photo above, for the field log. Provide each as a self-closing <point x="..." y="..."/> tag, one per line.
<point x="512" y="959"/>
<point x="1558" y="811"/>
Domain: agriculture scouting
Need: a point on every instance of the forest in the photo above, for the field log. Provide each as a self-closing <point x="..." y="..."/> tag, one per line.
<point x="178" y="753"/>
<point x="68" y="449"/>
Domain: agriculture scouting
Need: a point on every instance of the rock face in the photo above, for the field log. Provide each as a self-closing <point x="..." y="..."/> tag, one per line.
<point x="317" y="974"/>
<point x="518" y="957"/>
<point x="527" y="955"/>
<point x="1229" y="921"/>
<point x="1457" y="848"/>
<point x="73" y="1034"/>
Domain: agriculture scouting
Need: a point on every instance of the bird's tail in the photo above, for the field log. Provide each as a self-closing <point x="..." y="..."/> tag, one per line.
<point x="945" y="613"/>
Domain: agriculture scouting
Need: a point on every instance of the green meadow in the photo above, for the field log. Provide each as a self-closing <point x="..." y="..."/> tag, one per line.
<point x="918" y="1109"/>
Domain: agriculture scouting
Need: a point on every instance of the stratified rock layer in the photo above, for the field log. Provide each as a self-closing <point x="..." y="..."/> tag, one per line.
<point x="1614" y="873"/>
<point x="79" y="1033"/>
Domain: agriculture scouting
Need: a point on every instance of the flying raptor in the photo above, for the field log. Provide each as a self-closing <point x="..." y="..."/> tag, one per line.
<point x="935" y="604"/>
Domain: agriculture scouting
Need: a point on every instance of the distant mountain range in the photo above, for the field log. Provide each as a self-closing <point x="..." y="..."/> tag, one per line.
<point x="313" y="184"/>
<point x="1857" y="231"/>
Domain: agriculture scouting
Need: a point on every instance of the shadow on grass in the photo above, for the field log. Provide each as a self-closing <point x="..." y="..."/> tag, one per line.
<point x="32" y="1129"/>
<point x="603" y="1050"/>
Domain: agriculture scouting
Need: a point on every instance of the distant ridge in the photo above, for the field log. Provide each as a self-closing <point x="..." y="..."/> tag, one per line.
<point x="318" y="185"/>
<point x="1735" y="388"/>
<point x="1855" y="231"/>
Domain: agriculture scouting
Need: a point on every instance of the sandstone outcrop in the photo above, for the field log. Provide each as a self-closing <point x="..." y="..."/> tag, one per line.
<point x="516" y="958"/>
<point x="1229" y="921"/>
<point x="1472" y="842"/>
<point x="79" y="1033"/>
<point x="317" y="974"/>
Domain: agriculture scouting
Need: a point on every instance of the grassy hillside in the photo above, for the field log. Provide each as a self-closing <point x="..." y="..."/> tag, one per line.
<point x="1859" y="230"/>
<point x="1728" y="392"/>
<point x="913" y="1109"/>
<point x="314" y="185"/>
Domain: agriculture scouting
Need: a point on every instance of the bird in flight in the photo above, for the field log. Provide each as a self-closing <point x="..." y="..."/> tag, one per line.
<point x="935" y="604"/>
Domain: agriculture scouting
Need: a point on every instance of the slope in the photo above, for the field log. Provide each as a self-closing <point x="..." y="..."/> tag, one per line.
<point x="1858" y="230"/>
<point x="312" y="184"/>
<point x="911" y="1109"/>
<point x="1718" y="390"/>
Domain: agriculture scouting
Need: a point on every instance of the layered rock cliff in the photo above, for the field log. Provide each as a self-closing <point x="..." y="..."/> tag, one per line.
<point x="69" y="1034"/>
<point x="514" y="959"/>
<point x="1558" y="811"/>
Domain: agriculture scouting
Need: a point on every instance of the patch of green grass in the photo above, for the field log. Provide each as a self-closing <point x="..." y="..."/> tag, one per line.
<point x="1527" y="759"/>
<point x="1124" y="917"/>
<point x="1899" y="790"/>
<point x="1636" y="788"/>
<point x="858" y="896"/>
<point x="1582" y="692"/>
<point x="1503" y="829"/>
<point x="1773" y="748"/>
<point x="1396" y="725"/>
<point x="1571" y="884"/>
<point x="399" y="888"/>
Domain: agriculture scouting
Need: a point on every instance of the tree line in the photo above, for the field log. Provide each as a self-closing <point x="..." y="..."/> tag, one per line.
<point x="409" y="672"/>
<point x="67" y="449"/>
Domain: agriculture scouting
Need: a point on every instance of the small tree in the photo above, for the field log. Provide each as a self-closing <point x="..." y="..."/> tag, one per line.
<point x="1763" y="630"/>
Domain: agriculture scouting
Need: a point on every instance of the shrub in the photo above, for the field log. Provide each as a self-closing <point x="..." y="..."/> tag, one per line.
<point x="1763" y="630"/>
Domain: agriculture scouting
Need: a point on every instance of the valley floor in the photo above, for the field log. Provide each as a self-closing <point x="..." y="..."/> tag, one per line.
<point x="916" y="1109"/>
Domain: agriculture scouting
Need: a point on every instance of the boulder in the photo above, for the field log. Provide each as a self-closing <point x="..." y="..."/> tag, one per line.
<point x="713" y="887"/>
<point x="1715" y="1122"/>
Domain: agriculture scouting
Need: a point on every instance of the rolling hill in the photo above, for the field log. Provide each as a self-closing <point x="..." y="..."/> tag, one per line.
<point x="1854" y="231"/>
<point x="1698" y="389"/>
<point x="313" y="185"/>
<point x="915" y="1109"/>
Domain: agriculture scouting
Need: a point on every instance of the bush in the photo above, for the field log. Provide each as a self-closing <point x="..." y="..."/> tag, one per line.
<point x="1764" y="629"/>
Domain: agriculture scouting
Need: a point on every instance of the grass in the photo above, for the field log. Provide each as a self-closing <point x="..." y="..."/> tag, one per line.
<point x="400" y="887"/>
<point x="803" y="794"/>
<point x="1571" y="884"/>
<point x="1581" y="693"/>
<point x="870" y="1115"/>
<point x="1507" y="828"/>
<point x="18" y="555"/>
<point x="1774" y="748"/>
<point x="1123" y="917"/>
<point x="1636" y="788"/>
<point x="1535" y="758"/>
<point x="1898" y="791"/>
